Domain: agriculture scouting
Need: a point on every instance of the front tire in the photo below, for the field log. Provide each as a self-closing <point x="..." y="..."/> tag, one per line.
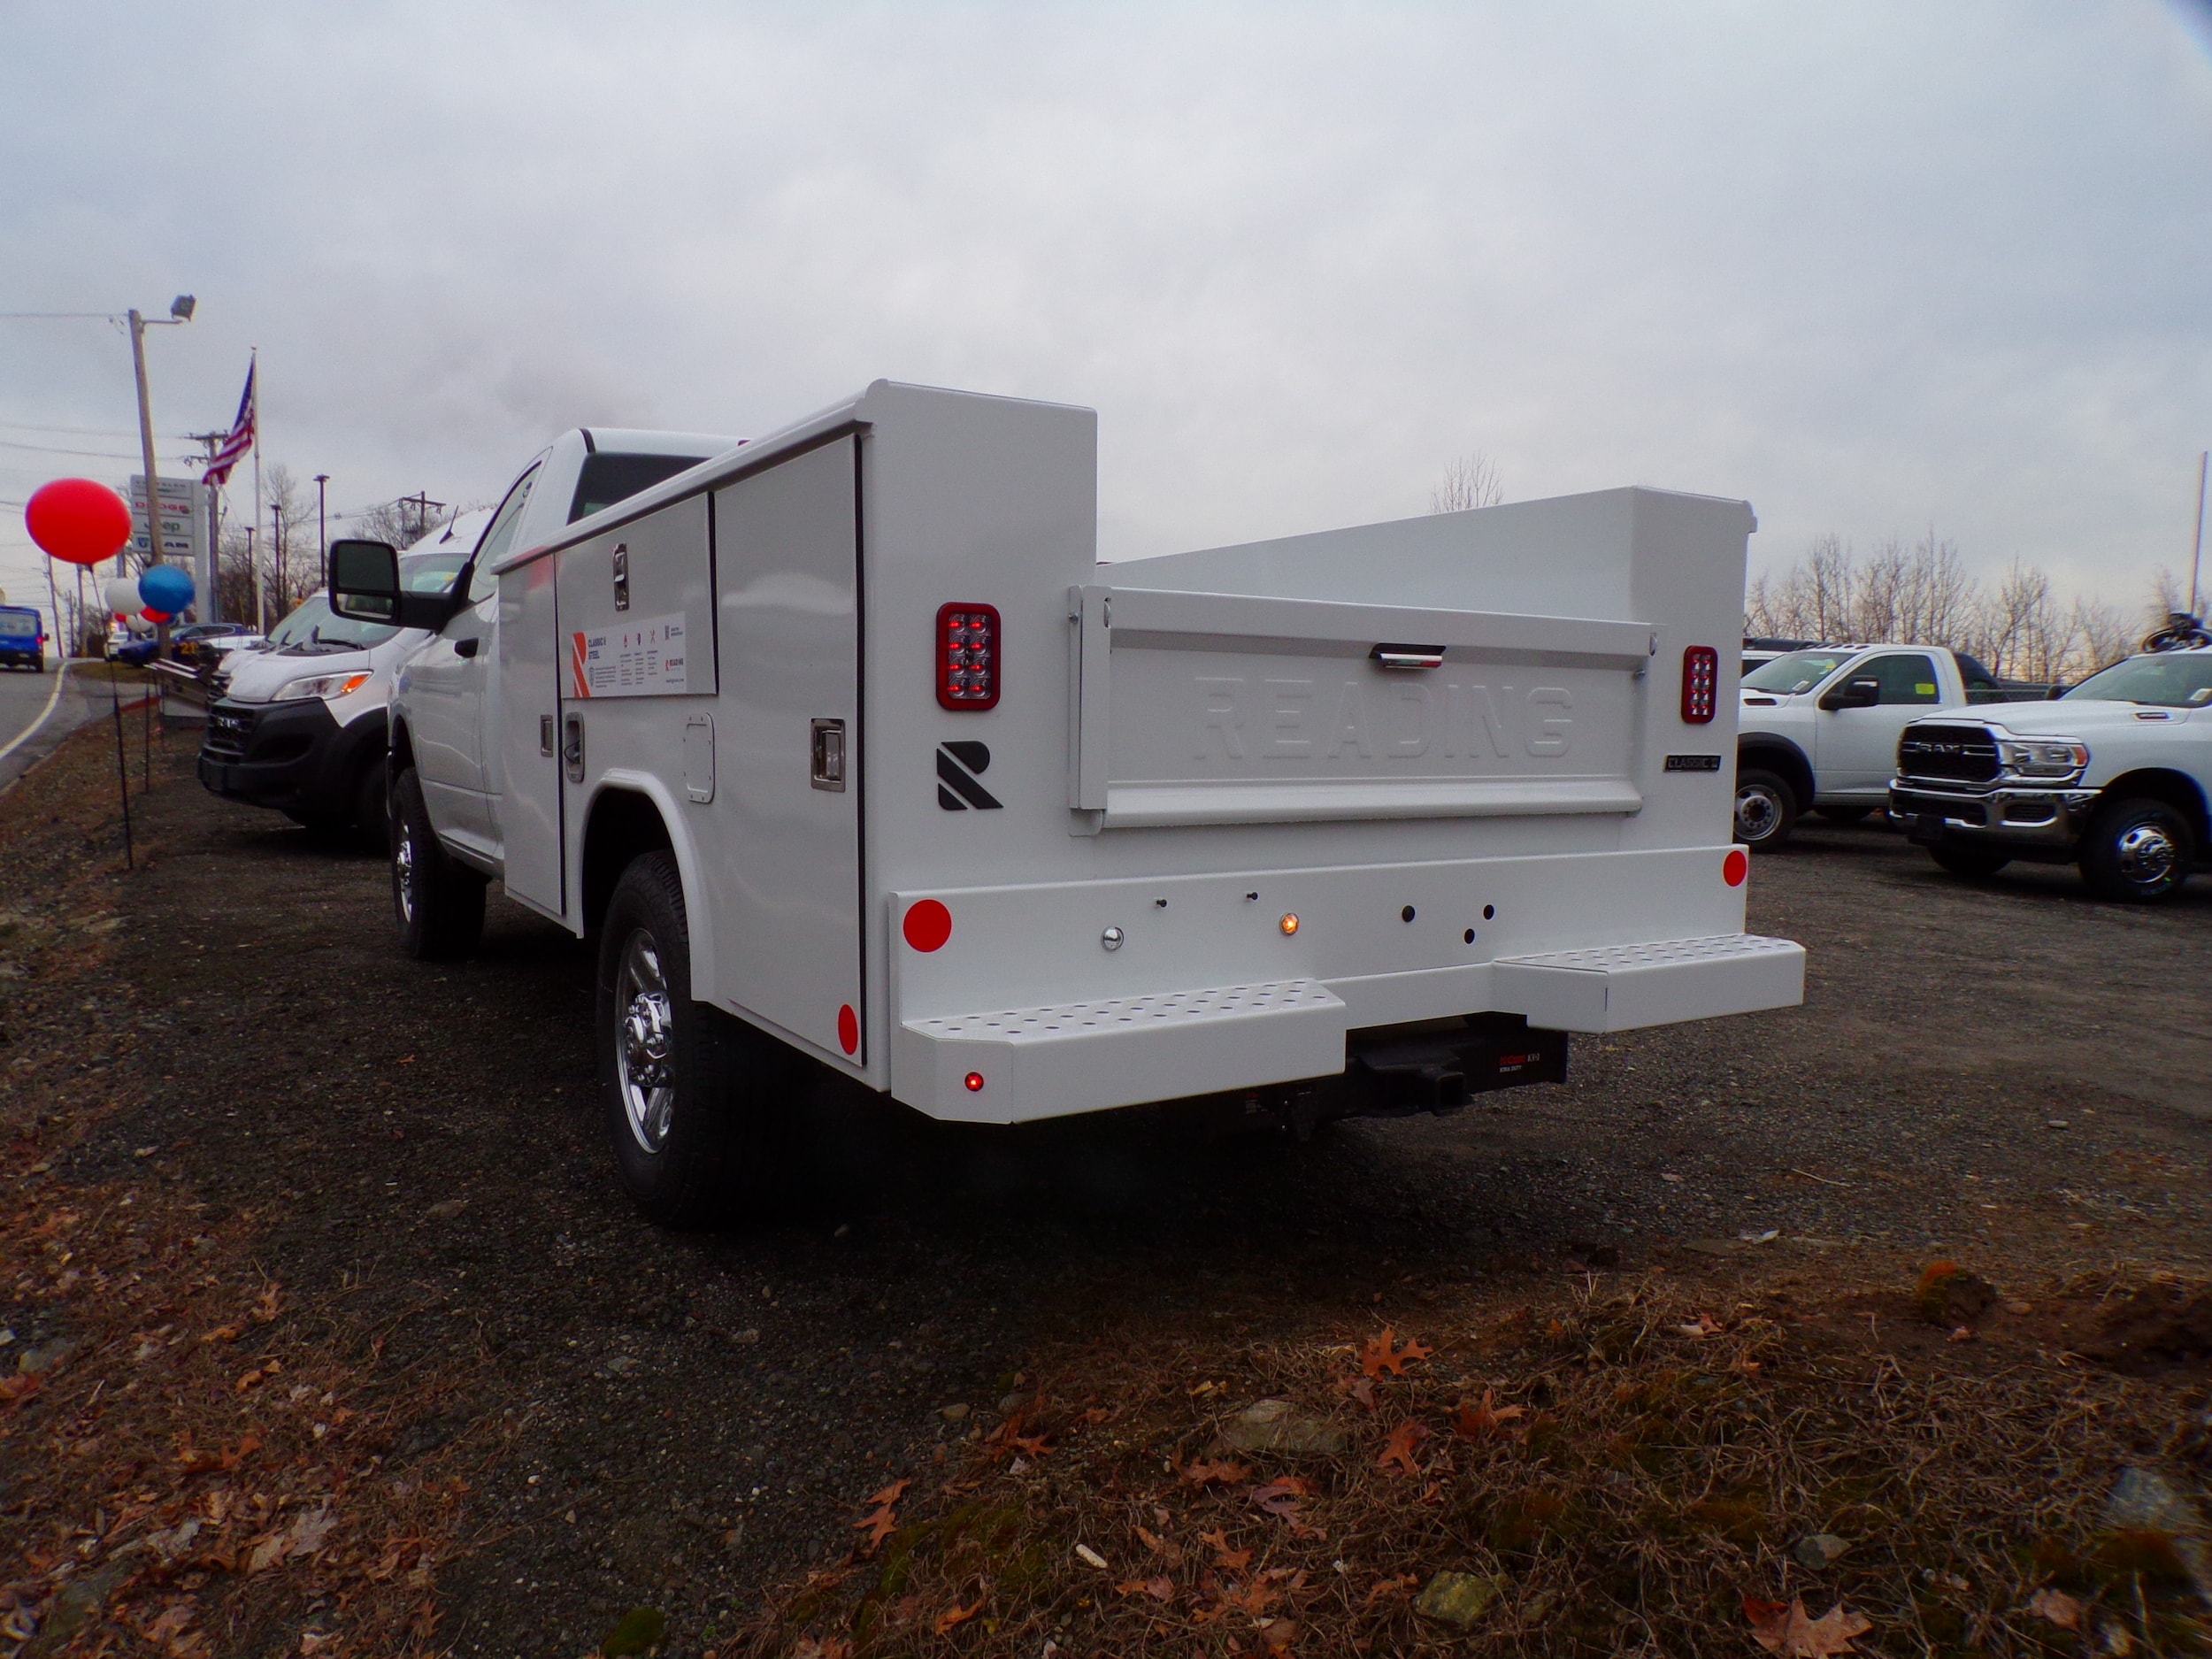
<point x="1970" y="862"/>
<point x="1766" y="812"/>
<point x="439" y="904"/>
<point x="2137" y="852"/>
<point x="689" y="1094"/>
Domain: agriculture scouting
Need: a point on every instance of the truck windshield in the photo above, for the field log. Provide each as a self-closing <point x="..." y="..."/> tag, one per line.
<point x="607" y="479"/>
<point x="315" y="626"/>
<point x="13" y="621"/>
<point x="2172" y="679"/>
<point x="1799" y="671"/>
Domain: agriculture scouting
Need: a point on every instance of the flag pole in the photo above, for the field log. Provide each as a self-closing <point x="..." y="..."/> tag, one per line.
<point x="260" y="600"/>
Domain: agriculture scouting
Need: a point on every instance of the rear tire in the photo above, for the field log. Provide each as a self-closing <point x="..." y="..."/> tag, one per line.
<point x="2137" y="852"/>
<point x="439" y="904"/>
<point x="689" y="1095"/>
<point x="1766" y="812"/>
<point x="1970" y="862"/>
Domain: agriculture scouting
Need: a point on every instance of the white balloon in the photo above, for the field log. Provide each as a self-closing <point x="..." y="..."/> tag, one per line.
<point x="121" y="593"/>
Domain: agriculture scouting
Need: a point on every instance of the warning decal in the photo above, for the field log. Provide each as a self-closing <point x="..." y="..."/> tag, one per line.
<point x="638" y="659"/>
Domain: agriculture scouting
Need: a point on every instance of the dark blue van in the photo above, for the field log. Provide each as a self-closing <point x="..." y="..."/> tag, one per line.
<point x="22" y="638"/>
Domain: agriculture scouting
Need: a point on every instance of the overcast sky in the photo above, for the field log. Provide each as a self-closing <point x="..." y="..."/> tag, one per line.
<point x="1871" y="266"/>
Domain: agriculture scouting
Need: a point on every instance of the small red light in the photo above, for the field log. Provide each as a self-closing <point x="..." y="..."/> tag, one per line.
<point x="1735" y="867"/>
<point x="1701" y="685"/>
<point x="967" y="657"/>
<point x="974" y="1080"/>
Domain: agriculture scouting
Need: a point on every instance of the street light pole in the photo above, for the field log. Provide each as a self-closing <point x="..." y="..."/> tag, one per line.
<point x="180" y="311"/>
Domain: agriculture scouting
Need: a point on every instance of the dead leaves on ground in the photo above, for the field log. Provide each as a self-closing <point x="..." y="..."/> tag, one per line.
<point x="1484" y="1417"/>
<point x="880" y="1523"/>
<point x="1379" y="1356"/>
<point x="1784" y="1628"/>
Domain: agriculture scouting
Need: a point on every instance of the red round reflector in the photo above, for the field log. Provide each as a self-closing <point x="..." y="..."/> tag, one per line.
<point x="928" y="926"/>
<point x="848" y="1028"/>
<point x="974" y="1080"/>
<point x="1735" y="867"/>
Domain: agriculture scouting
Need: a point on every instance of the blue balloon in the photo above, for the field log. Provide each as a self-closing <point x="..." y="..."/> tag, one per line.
<point x="165" y="588"/>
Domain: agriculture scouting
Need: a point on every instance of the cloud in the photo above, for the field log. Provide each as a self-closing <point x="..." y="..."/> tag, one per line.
<point x="1873" y="268"/>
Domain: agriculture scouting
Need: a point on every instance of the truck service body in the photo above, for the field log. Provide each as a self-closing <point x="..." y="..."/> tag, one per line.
<point x="978" y="822"/>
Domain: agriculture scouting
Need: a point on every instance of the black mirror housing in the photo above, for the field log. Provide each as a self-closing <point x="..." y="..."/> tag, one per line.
<point x="364" y="588"/>
<point x="1857" y="694"/>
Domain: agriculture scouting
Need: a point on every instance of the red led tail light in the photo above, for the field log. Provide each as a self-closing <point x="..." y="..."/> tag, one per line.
<point x="967" y="657"/>
<point x="1701" y="685"/>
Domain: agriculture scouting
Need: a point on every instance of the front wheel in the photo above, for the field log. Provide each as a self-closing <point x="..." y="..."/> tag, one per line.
<point x="2138" y="852"/>
<point x="1968" y="861"/>
<point x="689" y="1095"/>
<point x="439" y="904"/>
<point x="1766" y="812"/>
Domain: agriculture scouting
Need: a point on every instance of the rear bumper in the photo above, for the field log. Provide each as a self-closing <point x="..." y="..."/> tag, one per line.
<point x="1082" y="996"/>
<point x="1018" y="1065"/>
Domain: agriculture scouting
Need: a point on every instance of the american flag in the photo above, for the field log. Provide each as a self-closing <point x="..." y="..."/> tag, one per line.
<point x="241" y="438"/>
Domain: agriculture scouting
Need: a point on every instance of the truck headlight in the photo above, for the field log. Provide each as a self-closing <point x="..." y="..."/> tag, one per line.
<point x="2043" y="756"/>
<point x="330" y="687"/>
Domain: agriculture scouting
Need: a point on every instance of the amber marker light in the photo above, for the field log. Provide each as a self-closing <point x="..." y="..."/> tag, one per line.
<point x="1289" y="923"/>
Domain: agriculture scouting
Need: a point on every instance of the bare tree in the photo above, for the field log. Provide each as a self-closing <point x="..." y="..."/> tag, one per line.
<point x="1470" y="482"/>
<point x="2101" y="635"/>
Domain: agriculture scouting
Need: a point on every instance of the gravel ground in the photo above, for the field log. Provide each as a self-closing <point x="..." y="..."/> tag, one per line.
<point x="2010" y="1074"/>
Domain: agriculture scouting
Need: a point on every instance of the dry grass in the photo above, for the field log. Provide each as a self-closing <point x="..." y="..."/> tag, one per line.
<point x="188" y="1464"/>
<point x="1624" y="1483"/>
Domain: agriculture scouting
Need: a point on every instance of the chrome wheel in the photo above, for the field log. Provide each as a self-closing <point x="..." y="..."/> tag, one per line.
<point x="2146" y="854"/>
<point x="404" y="872"/>
<point x="1758" y="813"/>
<point x="644" y="1042"/>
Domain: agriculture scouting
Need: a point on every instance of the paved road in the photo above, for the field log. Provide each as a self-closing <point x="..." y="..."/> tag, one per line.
<point x="23" y="699"/>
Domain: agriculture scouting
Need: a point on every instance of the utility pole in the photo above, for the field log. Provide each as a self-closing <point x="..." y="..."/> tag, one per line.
<point x="180" y="311"/>
<point x="322" y="525"/>
<point x="210" y="579"/>
<point x="422" y="504"/>
<point x="276" y="528"/>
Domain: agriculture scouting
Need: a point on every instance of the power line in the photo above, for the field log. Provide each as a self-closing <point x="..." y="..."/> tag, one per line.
<point x="74" y="431"/>
<point x="101" y="316"/>
<point x="48" y="449"/>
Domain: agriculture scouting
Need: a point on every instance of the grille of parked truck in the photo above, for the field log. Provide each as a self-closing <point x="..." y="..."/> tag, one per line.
<point x="2113" y="776"/>
<point x="853" y="758"/>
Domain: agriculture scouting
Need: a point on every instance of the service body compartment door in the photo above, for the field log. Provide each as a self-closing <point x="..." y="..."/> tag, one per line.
<point x="529" y="705"/>
<point x="791" y="748"/>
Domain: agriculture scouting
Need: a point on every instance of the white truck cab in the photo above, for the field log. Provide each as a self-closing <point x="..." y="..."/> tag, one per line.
<point x="453" y="689"/>
<point x="854" y="758"/>
<point x="2114" y="776"/>
<point x="1817" y="728"/>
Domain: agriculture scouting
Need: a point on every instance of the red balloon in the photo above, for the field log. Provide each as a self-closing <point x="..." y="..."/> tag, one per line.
<point x="157" y="616"/>
<point x="77" y="520"/>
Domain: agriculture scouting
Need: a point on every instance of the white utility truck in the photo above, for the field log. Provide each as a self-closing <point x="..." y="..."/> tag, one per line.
<point x="850" y="753"/>
<point x="2114" y="776"/>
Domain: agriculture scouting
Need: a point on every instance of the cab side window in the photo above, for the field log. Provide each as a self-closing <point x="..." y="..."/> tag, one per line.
<point x="499" y="536"/>
<point x="1902" y="678"/>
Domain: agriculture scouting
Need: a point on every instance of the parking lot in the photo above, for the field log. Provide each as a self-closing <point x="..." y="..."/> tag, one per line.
<point x="2008" y="1074"/>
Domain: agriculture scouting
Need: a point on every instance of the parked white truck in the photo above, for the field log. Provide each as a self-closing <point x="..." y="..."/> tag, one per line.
<point x="2113" y="776"/>
<point x="851" y="754"/>
<point x="1817" y="728"/>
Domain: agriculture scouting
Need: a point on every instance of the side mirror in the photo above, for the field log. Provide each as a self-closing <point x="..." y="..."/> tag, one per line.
<point x="364" y="588"/>
<point x="1855" y="693"/>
